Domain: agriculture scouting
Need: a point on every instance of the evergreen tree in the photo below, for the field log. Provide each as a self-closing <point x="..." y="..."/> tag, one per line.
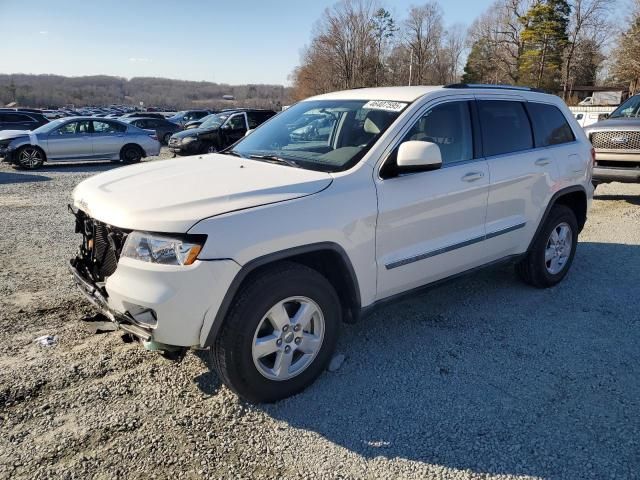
<point x="545" y="38"/>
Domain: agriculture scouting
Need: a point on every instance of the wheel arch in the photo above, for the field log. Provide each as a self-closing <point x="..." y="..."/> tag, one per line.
<point x="328" y="258"/>
<point x="574" y="197"/>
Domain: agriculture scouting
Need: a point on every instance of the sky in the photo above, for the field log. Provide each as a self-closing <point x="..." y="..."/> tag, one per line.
<point x="235" y="42"/>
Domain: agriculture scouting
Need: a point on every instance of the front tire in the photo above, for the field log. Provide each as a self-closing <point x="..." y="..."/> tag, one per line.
<point x="279" y="334"/>
<point x="30" y="157"/>
<point x="166" y="138"/>
<point x="553" y="250"/>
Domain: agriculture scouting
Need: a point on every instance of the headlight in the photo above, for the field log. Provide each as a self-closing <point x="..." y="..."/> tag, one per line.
<point x="188" y="139"/>
<point x="164" y="250"/>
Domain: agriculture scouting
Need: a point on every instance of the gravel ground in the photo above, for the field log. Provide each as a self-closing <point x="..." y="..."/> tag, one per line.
<point x="481" y="378"/>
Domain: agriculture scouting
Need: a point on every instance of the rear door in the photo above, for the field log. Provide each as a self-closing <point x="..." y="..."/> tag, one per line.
<point x="108" y="139"/>
<point x="71" y="141"/>
<point x="554" y="136"/>
<point x="521" y="175"/>
<point x="432" y="224"/>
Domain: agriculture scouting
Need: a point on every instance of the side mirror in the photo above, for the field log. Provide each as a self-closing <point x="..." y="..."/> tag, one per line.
<point x="248" y="132"/>
<point x="225" y="127"/>
<point x="416" y="156"/>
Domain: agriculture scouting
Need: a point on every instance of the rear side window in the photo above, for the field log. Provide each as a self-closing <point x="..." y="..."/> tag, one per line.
<point x="505" y="127"/>
<point x="550" y="127"/>
<point x="17" y="117"/>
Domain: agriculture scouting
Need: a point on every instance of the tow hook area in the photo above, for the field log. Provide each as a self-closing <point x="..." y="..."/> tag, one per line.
<point x="100" y="323"/>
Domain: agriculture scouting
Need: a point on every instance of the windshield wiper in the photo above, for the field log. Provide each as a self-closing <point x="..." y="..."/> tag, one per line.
<point x="276" y="159"/>
<point x="235" y="153"/>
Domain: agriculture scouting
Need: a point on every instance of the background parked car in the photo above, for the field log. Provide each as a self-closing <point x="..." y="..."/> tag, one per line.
<point x="218" y="132"/>
<point x="200" y="121"/>
<point x="181" y="118"/>
<point x="163" y="127"/>
<point x="142" y="115"/>
<point x="78" y="138"/>
<point x="20" y="120"/>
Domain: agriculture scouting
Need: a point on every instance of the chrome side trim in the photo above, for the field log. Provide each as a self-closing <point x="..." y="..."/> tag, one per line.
<point x="455" y="246"/>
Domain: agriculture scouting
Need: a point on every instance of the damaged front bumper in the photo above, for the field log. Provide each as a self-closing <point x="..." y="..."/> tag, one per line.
<point x="92" y="293"/>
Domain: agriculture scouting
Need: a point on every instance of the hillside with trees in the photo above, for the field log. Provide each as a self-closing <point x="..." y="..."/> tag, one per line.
<point x="55" y="90"/>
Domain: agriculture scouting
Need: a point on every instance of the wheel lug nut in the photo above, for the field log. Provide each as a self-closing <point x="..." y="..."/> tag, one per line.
<point x="298" y="340"/>
<point x="279" y="342"/>
<point x="296" y="328"/>
<point x="287" y="349"/>
<point x="285" y="328"/>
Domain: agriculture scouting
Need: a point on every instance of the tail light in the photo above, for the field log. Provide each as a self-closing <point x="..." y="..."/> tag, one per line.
<point x="593" y="157"/>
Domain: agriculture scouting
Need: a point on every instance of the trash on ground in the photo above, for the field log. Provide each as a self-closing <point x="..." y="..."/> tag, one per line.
<point x="47" y="340"/>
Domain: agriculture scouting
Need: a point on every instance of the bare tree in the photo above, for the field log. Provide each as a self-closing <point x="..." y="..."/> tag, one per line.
<point x="423" y="31"/>
<point x="587" y="24"/>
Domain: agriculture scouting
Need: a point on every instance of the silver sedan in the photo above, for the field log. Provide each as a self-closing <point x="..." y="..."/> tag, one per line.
<point x="78" y="139"/>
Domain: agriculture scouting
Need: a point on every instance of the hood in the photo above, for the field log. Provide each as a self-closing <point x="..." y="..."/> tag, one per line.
<point x="193" y="132"/>
<point x="172" y="195"/>
<point x="11" y="134"/>
<point x="615" y="124"/>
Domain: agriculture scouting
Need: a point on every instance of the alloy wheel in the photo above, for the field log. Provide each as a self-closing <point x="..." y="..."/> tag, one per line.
<point x="288" y="338"/>
<point x="558" y="249"/>
<point x="30" y="157"/>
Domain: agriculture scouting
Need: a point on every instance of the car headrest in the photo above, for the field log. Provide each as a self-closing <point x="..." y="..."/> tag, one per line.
<point x="375" y="122"/>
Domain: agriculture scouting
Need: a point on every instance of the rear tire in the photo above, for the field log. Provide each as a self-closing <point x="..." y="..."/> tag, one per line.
<point x="131" y="154"/>
<point x="166" y="138"/>
<point x="553" y="250"/>
<point x="30" y="157"/>
<point x="264" y="351"/>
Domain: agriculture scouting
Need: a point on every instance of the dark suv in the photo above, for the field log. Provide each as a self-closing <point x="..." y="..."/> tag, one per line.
<point x="616" y="141"/>
<point x="19" y="120"/>
<point x="218" y="131"/>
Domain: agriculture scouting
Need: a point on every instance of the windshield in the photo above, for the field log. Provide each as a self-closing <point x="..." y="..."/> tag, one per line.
<point x="214" y="121"/>
<point x="47" y="127"/>
<point x="326" y="135"/>
<point x="630" y="108"/>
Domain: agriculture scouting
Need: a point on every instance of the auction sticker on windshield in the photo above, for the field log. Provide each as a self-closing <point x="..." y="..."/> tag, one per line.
<point x="384" y="105"/>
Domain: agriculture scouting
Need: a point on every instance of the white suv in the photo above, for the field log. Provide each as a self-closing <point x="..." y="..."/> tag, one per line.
<point x="260" y="252"/>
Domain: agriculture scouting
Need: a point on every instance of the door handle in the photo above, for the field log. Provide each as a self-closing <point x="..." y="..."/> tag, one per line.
<point x="472" y="176"/>
<point x="542" y="162"/>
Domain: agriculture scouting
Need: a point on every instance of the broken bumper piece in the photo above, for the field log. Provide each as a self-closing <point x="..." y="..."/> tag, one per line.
<point x="92" y="293"/>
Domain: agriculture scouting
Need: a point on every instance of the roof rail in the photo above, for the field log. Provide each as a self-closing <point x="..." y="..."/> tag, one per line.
<point x="494" y="87"/>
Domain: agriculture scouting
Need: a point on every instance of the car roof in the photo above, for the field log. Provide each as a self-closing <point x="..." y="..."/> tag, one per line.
<point x="410" y="94"/>
<point x="398" y="94"/>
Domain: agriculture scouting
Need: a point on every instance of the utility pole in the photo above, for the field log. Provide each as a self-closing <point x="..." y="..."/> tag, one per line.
<point x="410" y="66"/>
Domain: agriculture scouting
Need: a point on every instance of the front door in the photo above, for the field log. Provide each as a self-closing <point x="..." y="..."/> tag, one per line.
<point x="234" y="129"/>
<point x="71" y="141"/>
<point x="432" y="224"/>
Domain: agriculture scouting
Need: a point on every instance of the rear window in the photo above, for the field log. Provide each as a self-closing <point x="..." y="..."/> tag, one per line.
<point x="16" y="117"/>
<point x="505" y="127"/>
<point x="550" y="127"/>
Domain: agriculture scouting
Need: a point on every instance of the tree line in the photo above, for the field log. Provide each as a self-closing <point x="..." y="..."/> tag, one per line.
<point x="56" y="90"/>
<point x="550" y="44"/>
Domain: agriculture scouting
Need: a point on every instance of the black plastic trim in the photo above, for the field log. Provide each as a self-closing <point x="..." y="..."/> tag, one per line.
<point x="455" y="246"/>
<point x="403" y="295"/>
<point x="554" y="198"/>
<point x="251" y="266"/>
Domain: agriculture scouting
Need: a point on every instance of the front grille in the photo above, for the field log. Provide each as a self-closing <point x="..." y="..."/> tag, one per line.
<point x="100" y="249"/>
<point x="612" y="140"/>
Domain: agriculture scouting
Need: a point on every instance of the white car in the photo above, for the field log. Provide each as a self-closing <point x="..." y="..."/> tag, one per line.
<point x="259" y="253"/>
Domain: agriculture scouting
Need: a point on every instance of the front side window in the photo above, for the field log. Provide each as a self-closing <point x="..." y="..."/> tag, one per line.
<point x="549" y="125"/>
<point x="68" y="129"/>
<point x="325" y="135"/>
<point x="630" y="108"/>
<point x="17" y="118"/>
<point x="237" y="122"/>
<point x="505" y="127"/>
<point x="448" y="126"/>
